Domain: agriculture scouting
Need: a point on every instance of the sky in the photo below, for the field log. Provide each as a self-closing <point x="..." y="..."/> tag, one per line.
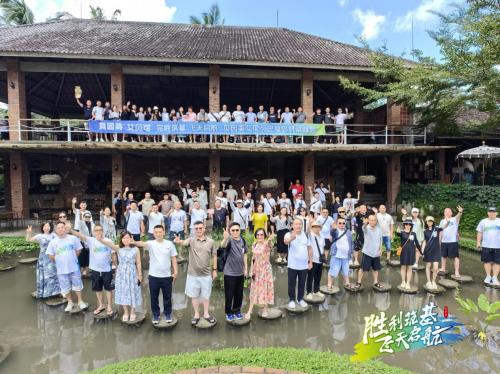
<point x="379" y="22"/>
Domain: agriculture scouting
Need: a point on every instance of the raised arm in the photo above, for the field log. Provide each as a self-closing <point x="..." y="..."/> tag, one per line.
<point x="181" y="242"/>
<point x="459" y="214"/>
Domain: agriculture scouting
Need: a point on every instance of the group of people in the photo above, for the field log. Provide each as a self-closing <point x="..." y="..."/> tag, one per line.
<point x="335" y="122"/>
<point x="308" y="235"/>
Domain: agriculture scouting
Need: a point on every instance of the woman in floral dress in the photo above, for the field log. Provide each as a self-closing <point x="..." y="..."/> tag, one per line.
<point x="128" y="277"/>
<point x="47" y="284"/>
<point x="262" y="286"/>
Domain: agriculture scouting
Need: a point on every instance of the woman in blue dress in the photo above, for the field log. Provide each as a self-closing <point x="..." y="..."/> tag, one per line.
<point x="47" y="284"/>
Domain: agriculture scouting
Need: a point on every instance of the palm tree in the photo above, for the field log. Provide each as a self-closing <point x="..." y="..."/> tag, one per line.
<point x="59" y="16"/>
<point x="98" y="13"/>
<point x="210" y="18"/>
<point x="15" y="12"/>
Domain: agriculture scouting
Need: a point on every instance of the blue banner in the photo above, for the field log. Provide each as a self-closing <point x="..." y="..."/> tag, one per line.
<point x="204" y="128"/>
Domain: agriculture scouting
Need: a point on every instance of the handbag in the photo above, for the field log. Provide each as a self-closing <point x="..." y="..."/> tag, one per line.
<point x="322" y="257"/>
<point x="400" y="248"/>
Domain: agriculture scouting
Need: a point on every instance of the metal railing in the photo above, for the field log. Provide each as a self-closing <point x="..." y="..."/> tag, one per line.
<point x="69" y="130"/>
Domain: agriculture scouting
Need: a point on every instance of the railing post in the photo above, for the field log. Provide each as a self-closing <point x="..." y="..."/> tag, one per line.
<point x="68" y="131"/>
<point x="345" y="134"/>
<point x="425" y="135"/>
<point x="386" y="134"/>
<point x="19" y="129"/>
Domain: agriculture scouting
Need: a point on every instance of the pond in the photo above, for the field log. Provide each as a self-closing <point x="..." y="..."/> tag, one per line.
<point x="45" y="340"/>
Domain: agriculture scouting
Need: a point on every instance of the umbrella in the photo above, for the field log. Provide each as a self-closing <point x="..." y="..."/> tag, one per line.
<point x="485" y="152"/>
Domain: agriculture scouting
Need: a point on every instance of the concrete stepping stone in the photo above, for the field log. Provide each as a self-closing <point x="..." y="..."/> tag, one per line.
<point x="332" y="291"/>
<point x="272" y="313"/>
<point x="386" y="287"/>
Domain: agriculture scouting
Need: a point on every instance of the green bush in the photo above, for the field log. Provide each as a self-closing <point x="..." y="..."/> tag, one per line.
<point x="432" y="199"/>
<point x="12" y="244"/>
<point x="304" y="360"/>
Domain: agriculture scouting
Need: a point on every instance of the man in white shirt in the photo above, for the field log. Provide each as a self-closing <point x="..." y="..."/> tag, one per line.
<point x="231" y="193"/>
<point x="186" y="191"/>
<point x="269" y="203"/>
<point x="299" y="203"/>
<point x="135" y="222"/>
<point x="326" y="226"/>
<point x="340" y="119"/>
<point x="162" y="272"/>
<point x="449" y="240"/>
<point x="488" y="241"/>
<point x="155" y="218"/>
<point x="197" y="215"/>
<point x="322" y="190"/>
<point x="225" y="117"/>
<point x="386" y="224"/>
<point x="349" y="203"/>
<point x="240" y="214"/>
<point x="178" y="222"/>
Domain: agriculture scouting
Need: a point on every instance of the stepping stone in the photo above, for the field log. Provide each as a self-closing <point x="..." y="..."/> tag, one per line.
<point x="104" y="314"/>
<point x="444" y="273"/>
<point x="386" y="287"/>
<point x="418" y="268"/>
<point x="447" y="283"/>
<point x="139" y="319"/>
<point x="490" y="285"/>
<point x="436" y="291"/>
<point x="352" y="289"/>
<point x="76" y="309"/>
<point x="4" y="352"/>
<point x="28" y="260"/>
<point x="333" y="291"/>
<point x="393" y="263"/>
<point x="163" y="325"/>
<point x="5" y="267"/>
<point x="413" y="289"/>
<point x="462" y="279"/>
<point x="204" y="324"/>
<point x="272" y="313"/>
<point x="316" y="299"/>
<point x="239" y="322"/>
<point x="55" y="301"/>
<point x="354" y="266"/>
<point x="298" y="309"/>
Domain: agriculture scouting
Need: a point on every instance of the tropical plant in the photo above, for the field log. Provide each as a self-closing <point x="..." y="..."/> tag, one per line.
<point x="476" y="313"/>
<point x="15" y="12"/>
<point x="462" y="89"/>
<point x="9" y="245"/>
<point x="97" y="13"/>
<point x="211" y="18"/>
<point x="59" y="16"/>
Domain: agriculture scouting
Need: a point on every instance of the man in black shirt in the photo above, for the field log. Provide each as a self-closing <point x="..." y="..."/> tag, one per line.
<point x="360" y="214"/>
<point x="87" y="112"/>
<point x="220" y="217"/>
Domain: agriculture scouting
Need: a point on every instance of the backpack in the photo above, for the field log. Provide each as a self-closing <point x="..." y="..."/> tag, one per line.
<point x="222" y="254"/>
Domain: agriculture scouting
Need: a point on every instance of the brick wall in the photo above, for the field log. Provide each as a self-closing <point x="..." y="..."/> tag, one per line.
<point x="16" y="98"/>
<point x="214" y="85"/>
<point x="117" y="173"/>
<point x="307" y="100"/>
<point x="18" y="184"/>
<point x="308" y="174"/>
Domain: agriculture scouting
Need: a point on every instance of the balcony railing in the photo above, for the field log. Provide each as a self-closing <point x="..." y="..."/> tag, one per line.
<point x="69" y="130"/>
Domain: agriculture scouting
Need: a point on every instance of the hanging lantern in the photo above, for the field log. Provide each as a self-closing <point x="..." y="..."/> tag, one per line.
<point x="159" y="182"/>
<point x="367" y="179"/>
<point x="268" y="183"/>
<point x="50" y="179"/>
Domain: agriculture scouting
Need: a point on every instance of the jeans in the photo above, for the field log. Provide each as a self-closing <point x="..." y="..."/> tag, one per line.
<point x="314" y="275"/>
<point x="233" y="290"/>
<point x="165" y="285"/>
<point x="292" y="282"/>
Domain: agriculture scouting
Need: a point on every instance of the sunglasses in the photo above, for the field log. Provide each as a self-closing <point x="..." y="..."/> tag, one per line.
<point x="407" y="224"/>
<point x="235" y="230"/>
<point x="340" y="223"/>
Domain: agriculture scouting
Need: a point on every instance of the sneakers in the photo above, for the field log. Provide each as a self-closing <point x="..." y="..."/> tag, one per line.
<point x="402" y="285"/>
<point x="69" y="307"/>
<point x="429" y="285"/>
<point x="415" y="265"/>
<point x="238" y="316"/>
<point x="168" y="318"/>
<point x="309" y="296"/>
<point x="291" y="305"/>
<point x="303" y="304"/>
<point x="495" y="282"/>
<point x="229" y="317"/>
<point x="488" y="279"/>
<point x="408" y="286"/>
<point x="83" y="305"/>
<point x="156" y="320"/>
<point x="278" y="260"/>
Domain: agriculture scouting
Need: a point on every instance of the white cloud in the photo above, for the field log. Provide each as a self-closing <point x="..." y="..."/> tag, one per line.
<point x="131" y="10"/>
<point x="370" y="21"/>
<point x="343" y="2"/>
<point x="421" y="14"/>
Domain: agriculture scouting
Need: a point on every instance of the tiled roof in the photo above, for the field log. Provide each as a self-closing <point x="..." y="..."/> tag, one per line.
<point x="179" y="42"/>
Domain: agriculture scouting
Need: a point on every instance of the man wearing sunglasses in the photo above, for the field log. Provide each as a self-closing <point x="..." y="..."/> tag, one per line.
<point x="235" y="270"/>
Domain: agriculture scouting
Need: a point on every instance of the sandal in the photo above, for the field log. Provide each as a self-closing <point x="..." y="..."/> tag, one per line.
<point x="99" y="310"/>
<point x="194" y="321"/>
<point x="125" y="318"/>
<point x="110" y="312"/>
<point x="378" y="286"/>
<point x="441" y="273"/>
<point x="210" y="319"/>
<point x="132" y="318"/>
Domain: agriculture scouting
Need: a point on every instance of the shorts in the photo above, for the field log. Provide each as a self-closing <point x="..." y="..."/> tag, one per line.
<point x="338" y="265"/>
<point x="102" y="280"/>
<point x="136" y="237"/>
<point x="339" y="129"/>
<point x="386" y="241"/>
<point x="172" y="234"/>
<point x="70" y="282"/>
<point x="490" y="255"/>
<point x="449" y="250"/>
<point x="369" y="262"/>
<point x="198" y="286"/>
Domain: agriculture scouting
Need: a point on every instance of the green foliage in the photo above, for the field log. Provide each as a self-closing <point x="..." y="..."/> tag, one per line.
<point x="477" y="312"/>
<point x="14" y="244"/>
<point x="304" y="360"/>
<point x="97" y="13"/>
<point x="432" y="199"/>
<point x="211" y="18"/>
<point x="466" y="78"/>
<point x="15" y="12"/>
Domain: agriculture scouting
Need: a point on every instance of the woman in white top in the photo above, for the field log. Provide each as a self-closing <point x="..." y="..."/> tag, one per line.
<point x="299" y="262"/>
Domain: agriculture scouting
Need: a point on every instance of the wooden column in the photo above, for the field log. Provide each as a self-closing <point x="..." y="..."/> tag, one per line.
<point x="18" y="188"/>
<point x="360" y="170"/>
<point x="16" y="99"/>
<point x="214" y="88"/>
<point x="442" y="164"/>
<point x="117" y="173"/>
<point x="214" y="173"/>
<point x="117" y="85"/>
<point x="307" y="91"/>
<point x="307" y="174"/>
<point x="393" y="181"/>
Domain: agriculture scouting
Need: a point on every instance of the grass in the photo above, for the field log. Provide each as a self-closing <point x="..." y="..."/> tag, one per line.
<point x="15" y="244"/>
<point x="304" y="360"/>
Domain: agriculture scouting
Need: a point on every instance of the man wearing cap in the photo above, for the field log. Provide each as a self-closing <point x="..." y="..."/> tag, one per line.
<point x="240" y="214"/>
<point x="449" y="239"/>
<point x="488" y="240"/>
<point x="316" y="245"/>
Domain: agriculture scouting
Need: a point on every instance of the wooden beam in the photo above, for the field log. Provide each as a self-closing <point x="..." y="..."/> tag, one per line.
<point x="167" y="70"/>
<point x="334" y="76"/>
<point x="59" y="91"/>
<point x="38" y="84"/>
<point x="260" y="74"/>
<point x="64" y="67"/>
